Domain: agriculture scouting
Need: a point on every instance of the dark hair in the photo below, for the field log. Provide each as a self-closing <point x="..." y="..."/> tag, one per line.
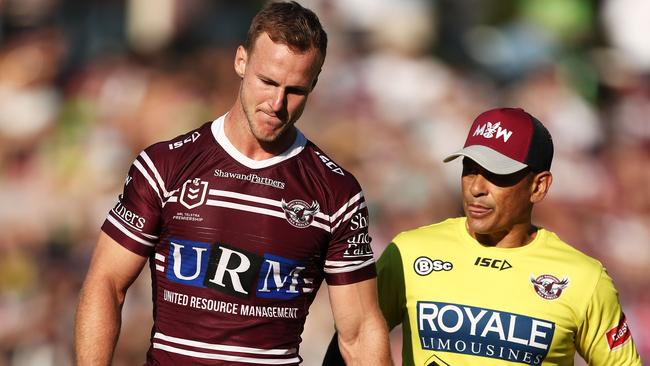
<point x="290" y="24"/>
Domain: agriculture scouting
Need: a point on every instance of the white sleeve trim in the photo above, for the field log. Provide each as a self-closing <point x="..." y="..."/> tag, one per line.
<point x="349" y="268"/>
<point x="127" y="232"/>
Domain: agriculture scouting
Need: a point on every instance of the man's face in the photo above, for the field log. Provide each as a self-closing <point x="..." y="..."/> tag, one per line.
<point x="495" y="204"/>
<point x="275" y="85"/>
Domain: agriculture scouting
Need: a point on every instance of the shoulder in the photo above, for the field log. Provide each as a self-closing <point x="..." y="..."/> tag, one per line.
<point x="569" y="254"/>
<point x="321" y="164"/>
<point x="164" y="163"/>
<point x="339" y="188"/>
<point x="584" y="273"/>
<point x="428" y="233"/>
<point x="180" y="146"/>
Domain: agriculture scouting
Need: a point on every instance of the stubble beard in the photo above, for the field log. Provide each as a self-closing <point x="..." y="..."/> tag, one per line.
<point x="257" y="133"/>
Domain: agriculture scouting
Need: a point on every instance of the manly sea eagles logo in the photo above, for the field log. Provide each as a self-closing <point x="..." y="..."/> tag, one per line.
<point x="548" y="286"/>
<point x="299" y="213"/>
<point x="193" y="193"/>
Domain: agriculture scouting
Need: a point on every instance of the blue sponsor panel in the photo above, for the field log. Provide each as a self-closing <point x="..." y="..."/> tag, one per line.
<point x="232" y="271"/>
<point x="187" y="261"/>
<point x="483" y="332"/>
<point x="280" y="278"/>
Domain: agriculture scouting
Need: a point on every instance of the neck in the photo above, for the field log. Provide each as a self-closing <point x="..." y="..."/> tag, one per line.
<point x="240" y="136"/>
<point x="515" y="237"/>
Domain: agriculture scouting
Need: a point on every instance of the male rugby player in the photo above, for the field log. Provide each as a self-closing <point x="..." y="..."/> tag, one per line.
<point x="491" y="288"/>
<point x="240" y="220"/>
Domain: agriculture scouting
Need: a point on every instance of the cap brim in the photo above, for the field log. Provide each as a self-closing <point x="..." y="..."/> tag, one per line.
<point x="493" y="161"/>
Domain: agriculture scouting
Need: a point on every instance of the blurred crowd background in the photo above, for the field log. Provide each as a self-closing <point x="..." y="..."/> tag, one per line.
<point x="85" y="85"/>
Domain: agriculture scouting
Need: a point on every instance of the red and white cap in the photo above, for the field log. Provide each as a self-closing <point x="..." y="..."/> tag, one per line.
<point x="507" y="140"/>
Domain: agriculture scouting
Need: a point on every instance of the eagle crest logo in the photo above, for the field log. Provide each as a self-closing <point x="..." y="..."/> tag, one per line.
<point x="299" y="213"/>
<point x="548" y="286"/>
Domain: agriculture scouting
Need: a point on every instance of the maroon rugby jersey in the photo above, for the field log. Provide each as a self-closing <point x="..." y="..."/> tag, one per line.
<point x="238" y="248"/>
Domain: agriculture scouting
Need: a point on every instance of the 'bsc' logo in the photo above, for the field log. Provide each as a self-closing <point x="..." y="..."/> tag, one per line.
<point x="234" y="271"/>
<point x="423" y="266"/>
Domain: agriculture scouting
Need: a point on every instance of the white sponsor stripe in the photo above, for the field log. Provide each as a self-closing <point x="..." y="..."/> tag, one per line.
<point x="149" y="236"/>
<point x="259" y="210"/>
<point x="171" y="198"/>
<point x="266" y="201"/>
<point x="214" y="356"/>
<point x="224" y="347"/>
<point x="341" y="263"/>
<point x="239" y="206"/>
<point x="149" y="163"/>
<point x="244" y="197"/>
<point x="146" y="175"/>
<point x="160" y="268"/>
<point x="160" y="257"/>
<point x="349" y="268"/>
<point x="345" y="207"/>
<point x="127" y="232"/>
<point x="319" y="225"/>
<point x="348" y="215"/>
<point x="357" y="256"/>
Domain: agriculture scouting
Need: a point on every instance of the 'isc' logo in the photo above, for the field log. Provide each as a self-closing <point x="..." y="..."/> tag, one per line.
<point x="234" y="271"/>
<point x="499" y="264"/>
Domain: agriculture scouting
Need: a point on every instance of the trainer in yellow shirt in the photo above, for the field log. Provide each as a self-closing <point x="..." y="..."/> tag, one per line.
<point x="463" y="303"/>
<point x="491" y="288"/>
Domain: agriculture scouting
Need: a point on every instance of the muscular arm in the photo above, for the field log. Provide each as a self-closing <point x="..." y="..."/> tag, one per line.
<point x="362" y="332"/>
<point x="112" y="270"/>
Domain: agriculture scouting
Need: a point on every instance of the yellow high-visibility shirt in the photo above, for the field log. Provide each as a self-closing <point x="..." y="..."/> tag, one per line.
<point x="462" y="303"/>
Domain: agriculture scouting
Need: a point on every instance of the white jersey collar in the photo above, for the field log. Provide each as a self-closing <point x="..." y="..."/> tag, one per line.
<point x="220" y="136"/>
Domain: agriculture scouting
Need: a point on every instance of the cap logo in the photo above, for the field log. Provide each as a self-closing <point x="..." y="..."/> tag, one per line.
<point x="489" y="130"/>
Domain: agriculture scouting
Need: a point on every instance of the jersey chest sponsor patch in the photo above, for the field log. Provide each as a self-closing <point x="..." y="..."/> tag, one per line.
<point x="483" y="332"/>
<point x="234" y="271"/>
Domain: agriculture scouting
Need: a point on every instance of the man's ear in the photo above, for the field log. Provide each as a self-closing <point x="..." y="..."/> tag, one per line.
<point x="541" y="183"/>
<point x="315" y="81"/>
<point x="241" y="58"/>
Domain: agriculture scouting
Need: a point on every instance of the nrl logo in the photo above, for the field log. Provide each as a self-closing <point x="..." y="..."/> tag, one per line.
<point x="300" y="214"/>
<point x="193" y="193"/>
<point x="548" y="286"/>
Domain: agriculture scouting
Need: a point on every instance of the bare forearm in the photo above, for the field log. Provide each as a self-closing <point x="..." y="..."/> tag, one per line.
<point x="97" y="325"/>
<point x="370" y="346"/>
<point x="363" y="334"/>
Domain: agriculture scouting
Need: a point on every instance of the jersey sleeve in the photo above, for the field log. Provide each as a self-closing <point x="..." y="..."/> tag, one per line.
<point x="604" y="338"/>
<point x="390" y="285"/>
<point x="134" y="221"/>
<point x="349" y="256"/>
